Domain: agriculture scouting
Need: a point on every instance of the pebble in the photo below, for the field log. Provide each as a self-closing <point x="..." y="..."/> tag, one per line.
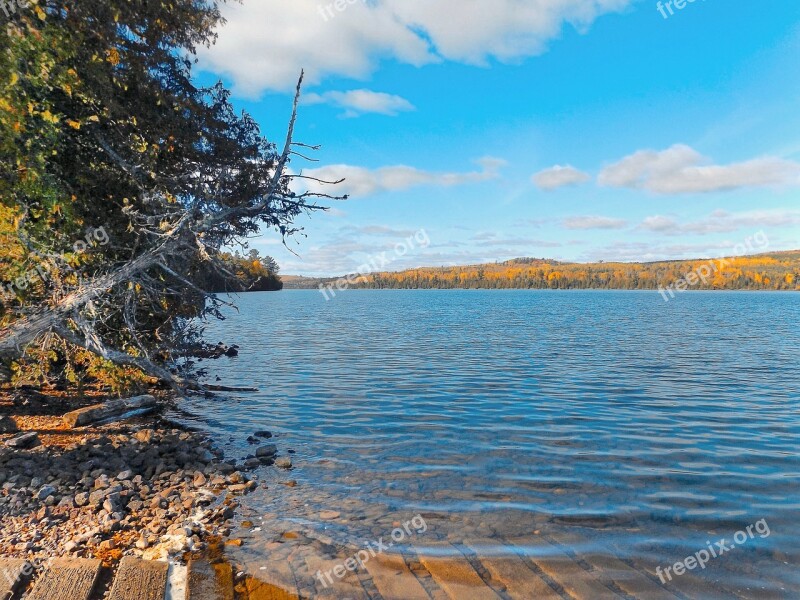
<point x="284" y="462"/>
<point x="90" y="497"/>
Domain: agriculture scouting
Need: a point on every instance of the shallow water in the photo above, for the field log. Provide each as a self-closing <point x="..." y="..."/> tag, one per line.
<point x="569" y="423"/>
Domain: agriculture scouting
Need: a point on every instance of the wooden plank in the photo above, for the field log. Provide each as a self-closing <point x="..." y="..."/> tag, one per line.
<point x="276" y="581"/>
<point x="209" y="582"/>
<point x="13" y="573"/>
<point x="262" y="590"/>
<point x="110" y="410"/>
<point x="394" y="579"/>
<point x="326" y="581"/>
<point x="457" y="577"/>
<point x="521" y="582"/>
<point x="577" y="581"/>
<point x="67" y="579"/>
<point x="139" y="579"/>
<point x="627" y="578"/>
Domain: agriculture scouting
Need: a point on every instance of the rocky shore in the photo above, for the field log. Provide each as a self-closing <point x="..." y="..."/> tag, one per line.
<point x="144" y="488"/>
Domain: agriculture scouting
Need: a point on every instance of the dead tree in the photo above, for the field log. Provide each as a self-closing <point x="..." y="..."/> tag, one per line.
<point x="176" y="237"/>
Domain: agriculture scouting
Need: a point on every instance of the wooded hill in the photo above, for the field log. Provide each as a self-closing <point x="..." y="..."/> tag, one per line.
<point x="772" y="271"/>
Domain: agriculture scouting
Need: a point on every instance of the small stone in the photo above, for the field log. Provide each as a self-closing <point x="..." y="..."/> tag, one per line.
<point x="263" y="434"/>
<point x="284" y="462"/>
<point x="97" y="497"/>
<point x="8" y="425"/>
<point x="26" y="440"/>
<point x="199" y="480"/>
<point x="125" y="475"/>
<point x="112" y="503"/>
<point x="81" y="499"/>
<point x="107" y="545"/>
<point x="47" y="490"/>
<point x="142" y="543"/>
<point x="144" y="435"/>
<point x="329" y="515"/>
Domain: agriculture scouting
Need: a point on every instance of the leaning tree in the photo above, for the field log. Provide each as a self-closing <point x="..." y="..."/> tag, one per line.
<point x="102" y="126"/>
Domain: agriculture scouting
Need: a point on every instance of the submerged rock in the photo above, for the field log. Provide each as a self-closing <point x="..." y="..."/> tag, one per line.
<point x="267" y="451"/>
<point x="283" y="462"/>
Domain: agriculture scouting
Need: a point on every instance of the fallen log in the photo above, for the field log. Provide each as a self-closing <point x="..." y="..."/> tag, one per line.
<point x="225" y="388"/>
<point x="110" y="410"/>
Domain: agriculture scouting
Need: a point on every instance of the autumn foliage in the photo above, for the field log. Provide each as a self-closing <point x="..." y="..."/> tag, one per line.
<point x="774" y="271"/>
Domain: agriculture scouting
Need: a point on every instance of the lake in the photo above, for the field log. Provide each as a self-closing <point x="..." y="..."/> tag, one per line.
<point x="601" y="431"/>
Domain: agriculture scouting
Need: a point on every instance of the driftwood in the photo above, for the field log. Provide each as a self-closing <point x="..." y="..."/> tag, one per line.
<point x="112" y="409"/>
<point x="225" y="388"/>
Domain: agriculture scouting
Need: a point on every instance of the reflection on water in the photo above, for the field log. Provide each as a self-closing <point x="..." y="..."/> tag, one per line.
<point x="529" y="423"/>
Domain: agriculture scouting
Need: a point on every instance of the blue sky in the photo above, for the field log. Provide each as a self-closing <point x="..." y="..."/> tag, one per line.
<point x="569" y="129"/>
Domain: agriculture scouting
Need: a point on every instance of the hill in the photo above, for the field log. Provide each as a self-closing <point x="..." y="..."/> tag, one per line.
<point x="771" y="271"/>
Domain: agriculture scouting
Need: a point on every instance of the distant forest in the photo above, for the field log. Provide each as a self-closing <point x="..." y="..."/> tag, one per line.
<point x="774" y="271"/>
<point x="250" y="273"/>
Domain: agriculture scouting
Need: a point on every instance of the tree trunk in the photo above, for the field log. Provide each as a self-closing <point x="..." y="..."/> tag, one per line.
<point x="15" y="337"/>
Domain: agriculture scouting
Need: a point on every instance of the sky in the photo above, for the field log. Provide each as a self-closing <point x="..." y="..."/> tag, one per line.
<point x="484" y="130"/>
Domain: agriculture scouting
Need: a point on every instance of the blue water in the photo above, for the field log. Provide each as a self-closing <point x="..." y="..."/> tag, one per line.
<point x="608" y="421"/>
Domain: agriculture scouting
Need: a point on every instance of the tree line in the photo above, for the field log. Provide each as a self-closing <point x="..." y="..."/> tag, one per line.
<point x="774" y="271"/>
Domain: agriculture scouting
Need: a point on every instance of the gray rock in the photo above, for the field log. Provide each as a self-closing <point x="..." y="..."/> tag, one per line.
<point x="81" y="499"/>
<point x="267" y="451"/>
<point x="47" y="490"/>
<point x="26" y="440"/>
<point x="113" y="504"/>
<point x="96" y="497"/>
<point x="7" y="425"/>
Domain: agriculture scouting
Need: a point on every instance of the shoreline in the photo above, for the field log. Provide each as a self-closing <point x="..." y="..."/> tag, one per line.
<point x="144" y="487"/>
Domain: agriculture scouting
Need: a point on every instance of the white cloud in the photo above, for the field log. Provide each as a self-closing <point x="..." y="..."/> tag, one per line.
<point x="360" y="181"/>
<point x="721" y="221"/>
<point x="358" y="102"/>
<point x="592" y="222"/>
<point x="659" y="224"/>
<point x="265" y="43"/>
<point x="682" y="170"/>
<point x="558" y="176"/>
